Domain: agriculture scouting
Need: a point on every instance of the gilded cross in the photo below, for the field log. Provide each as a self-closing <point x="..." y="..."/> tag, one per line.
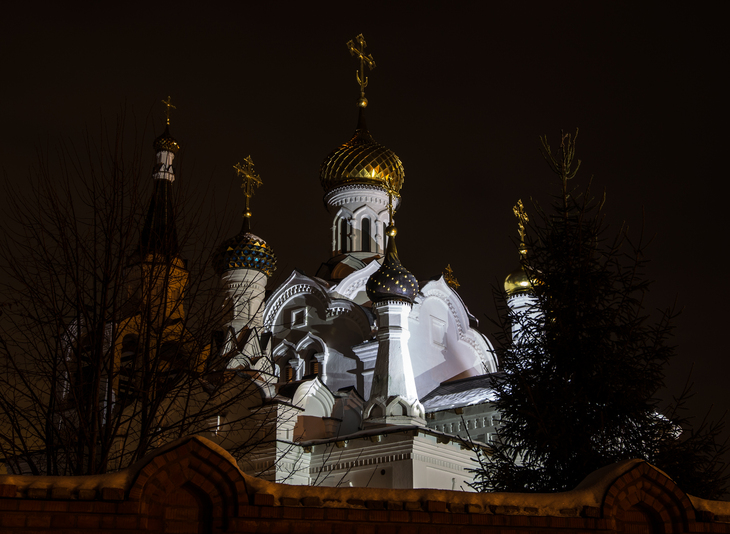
<point x="364" y="59"/>
<point x="168" y="105"/>
<point x="522" y="218"/>
<point x="388" y="184"/>
<point x="251" y="180"/>
<point x="450" y="278"/>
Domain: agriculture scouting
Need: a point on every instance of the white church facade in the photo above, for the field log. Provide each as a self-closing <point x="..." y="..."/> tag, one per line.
<point x="371" y="378"/>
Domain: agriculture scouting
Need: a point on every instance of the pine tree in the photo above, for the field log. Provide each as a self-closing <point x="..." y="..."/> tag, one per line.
<point x="579" y="386"/>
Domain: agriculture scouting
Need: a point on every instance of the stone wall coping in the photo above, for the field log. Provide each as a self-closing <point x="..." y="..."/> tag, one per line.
<point x="586" y="500"/>
<point x="94" y="486"/>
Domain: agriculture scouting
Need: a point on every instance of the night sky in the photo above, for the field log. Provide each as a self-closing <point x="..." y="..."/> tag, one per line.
<point x="460" y="94"/>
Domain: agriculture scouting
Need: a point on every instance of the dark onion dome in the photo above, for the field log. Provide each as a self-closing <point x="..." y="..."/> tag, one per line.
<point x="245" y="251"/>
<point x="392" y="281"/>
<point x="166" y="142"/>
<point x="362" y="161"/>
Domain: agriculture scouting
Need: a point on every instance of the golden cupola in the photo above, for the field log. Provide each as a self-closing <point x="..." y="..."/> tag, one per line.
<point x="362" y="161"/>
<point x="519" y="281"/>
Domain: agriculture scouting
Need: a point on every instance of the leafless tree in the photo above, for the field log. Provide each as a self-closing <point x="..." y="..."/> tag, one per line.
<point x="110" y="340"/>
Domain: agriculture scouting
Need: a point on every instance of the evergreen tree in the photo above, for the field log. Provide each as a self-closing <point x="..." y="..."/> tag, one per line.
<point x="578" y="388"/>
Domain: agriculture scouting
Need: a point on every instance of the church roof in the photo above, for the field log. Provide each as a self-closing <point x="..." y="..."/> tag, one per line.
<point x="362" y="161"/>
<point x="460" y="393"/>
<point x="246" y="251"/>
<point x="166" y="142"/>
<point x="392" y="281"/>
<point x="159" y="233"/>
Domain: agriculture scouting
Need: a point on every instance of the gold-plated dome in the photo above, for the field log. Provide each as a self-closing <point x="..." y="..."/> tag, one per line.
<point x="517" y="282"/>
<point x="166" y="142"/>
<point x="362" y="161"/>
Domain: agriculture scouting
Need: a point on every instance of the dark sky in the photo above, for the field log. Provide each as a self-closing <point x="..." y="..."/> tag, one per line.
<point x="461" y="94"/>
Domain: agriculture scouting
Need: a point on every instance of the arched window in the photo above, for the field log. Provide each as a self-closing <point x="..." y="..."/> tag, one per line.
<point x="344" y="233"/>
<point x="365" y="235"/>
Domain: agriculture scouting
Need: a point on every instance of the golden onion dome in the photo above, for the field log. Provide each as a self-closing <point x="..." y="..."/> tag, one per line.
<point x="362" y="161"/>
<point x="166" y="142"/>
<point x="518" y="281"/>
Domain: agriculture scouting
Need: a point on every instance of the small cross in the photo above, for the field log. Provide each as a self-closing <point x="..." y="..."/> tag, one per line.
<point x="360" y="52"/>
<point x="251" y="180"/>
<point x="450" y="278"/>
<point x="522" y="218"/>
<point x="168" y="105"/>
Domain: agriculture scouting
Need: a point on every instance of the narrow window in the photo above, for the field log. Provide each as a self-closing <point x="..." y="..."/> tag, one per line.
<point x="366" y="235"/>
<point x="343" y="235"/>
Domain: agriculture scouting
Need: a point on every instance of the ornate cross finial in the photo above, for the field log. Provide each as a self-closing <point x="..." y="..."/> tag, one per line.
<point x="361" y="78"/>
<point x="450" y="278"/>
<point x="522" y="218"/>
<point x="391" y="227"/>
<point x="251" y="180"/>
<point x="168" y="105"/>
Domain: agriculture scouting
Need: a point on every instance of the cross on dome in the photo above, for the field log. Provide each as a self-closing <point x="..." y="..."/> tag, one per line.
<point x="368" y="60"/>
<point x="251" y="180"/>
<point x="168" y="105"/>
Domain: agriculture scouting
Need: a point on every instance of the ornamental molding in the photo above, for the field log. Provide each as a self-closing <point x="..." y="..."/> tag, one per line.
<point x="356" y="315"/>
<point x="333" y="308"/>
<point x="467" y="335"/>
<point x="354" y="193"/>
<point x="274" y="306"/>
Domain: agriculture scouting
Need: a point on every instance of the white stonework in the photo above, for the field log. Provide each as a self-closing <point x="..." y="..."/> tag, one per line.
<point x="353" y="204"/>
<point x="163" y="166"/>
<point x="524" y="307"/>
<point x="393" y="396"/>
<point x="355" y="401"/>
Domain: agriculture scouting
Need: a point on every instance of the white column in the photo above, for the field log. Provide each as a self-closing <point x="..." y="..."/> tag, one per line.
<point x="393" y="394"/>
<point x="245" y="288"/>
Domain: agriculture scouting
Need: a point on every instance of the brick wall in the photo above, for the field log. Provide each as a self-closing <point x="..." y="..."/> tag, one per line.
<point x="194" y="486"/>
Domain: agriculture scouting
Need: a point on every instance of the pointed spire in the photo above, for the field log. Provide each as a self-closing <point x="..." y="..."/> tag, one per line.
<point x="392" y="281"/>
<point x="159" y="234"/>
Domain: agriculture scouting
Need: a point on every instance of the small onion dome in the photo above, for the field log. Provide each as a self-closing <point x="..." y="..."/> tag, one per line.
<point x="245" y="251"/>
<point x="392" y="281"/>
<point x="362" y="161"/>
<point x="166" y="142"/>
<point x="519" y="282"/>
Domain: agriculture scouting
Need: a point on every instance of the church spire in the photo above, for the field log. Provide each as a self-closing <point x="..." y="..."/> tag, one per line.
<point x="159" y="234"/>
<point x="392" y="289"/>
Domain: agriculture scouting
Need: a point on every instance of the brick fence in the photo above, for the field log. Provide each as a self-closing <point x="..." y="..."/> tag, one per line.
<point x="195" y="486"/>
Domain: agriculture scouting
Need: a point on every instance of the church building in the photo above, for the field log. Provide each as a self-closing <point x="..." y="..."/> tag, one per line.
<point x="371" y="377"/>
